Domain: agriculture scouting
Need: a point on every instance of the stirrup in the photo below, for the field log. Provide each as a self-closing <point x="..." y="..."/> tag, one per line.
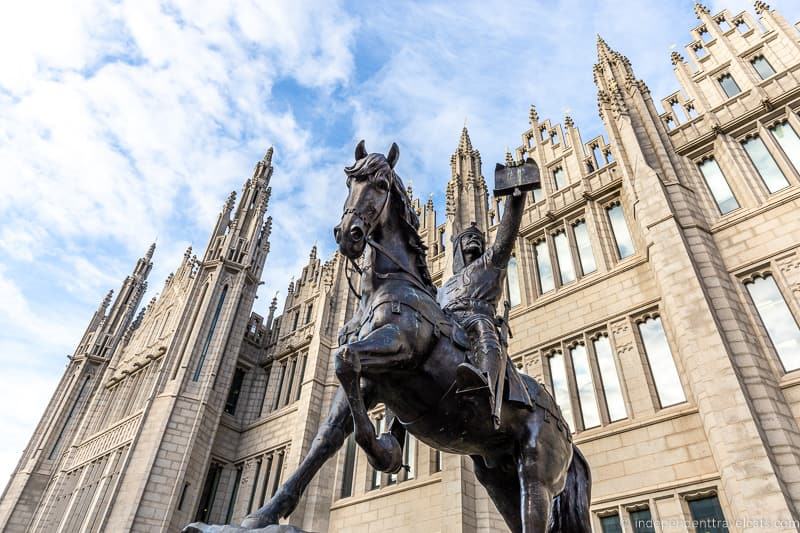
<point x="470" y="379"/>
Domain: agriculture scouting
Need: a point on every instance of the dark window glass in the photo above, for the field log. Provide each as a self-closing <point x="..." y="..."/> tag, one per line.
<point x="210" y="334"/>
<point x="236" y="389"/>
<point x="707" y="515"/>
<point x="234" y="493"/>
<point x="610" y="524"/>
<point x="642" y="521"/>
<point x="209" y="493"/>
<point x="349" y="466"/>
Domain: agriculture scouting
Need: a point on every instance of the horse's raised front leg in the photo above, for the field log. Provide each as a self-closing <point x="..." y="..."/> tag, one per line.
<point x="382" y="350"/>
<point x="329" y="439"/>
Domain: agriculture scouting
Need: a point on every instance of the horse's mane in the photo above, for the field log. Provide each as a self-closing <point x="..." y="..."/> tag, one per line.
<point x="376" y="165"/>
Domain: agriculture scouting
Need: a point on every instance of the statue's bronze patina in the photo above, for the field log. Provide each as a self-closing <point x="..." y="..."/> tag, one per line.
<point x="442" y="371"/>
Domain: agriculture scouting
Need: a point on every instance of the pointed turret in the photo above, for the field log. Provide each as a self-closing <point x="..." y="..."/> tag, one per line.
<point x="466" y="193"/>
<point x="464" y="143"/>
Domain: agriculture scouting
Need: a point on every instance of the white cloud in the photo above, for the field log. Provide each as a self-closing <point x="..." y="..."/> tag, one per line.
<point x="122" y="122"/>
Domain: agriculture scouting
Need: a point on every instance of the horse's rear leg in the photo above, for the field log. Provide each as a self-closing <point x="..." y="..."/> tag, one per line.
<point x="329" y="439"/>
<point x="502" y="485"/>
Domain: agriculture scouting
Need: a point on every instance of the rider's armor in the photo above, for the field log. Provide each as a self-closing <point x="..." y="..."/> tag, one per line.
<point x="471" y="296"/>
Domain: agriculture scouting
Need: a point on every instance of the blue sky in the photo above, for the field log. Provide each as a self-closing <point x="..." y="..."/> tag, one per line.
<point x="129" y="121"/>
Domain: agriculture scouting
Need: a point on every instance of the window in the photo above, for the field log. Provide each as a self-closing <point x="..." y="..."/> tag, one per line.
<point x="777" y="319"/>
<point x="718" y="185"/>
<point x="707" y="515"/>
<point x="789" y="142"/>
<point x="762" y="67"/>
<point x="292" y="370"/>
<point x="376" y="474"/>
<point x="514" y="295"/>
<point x="349" y="466"/>
<point x="210" y="335"/>
<point x="296" y="320"/>
<point x="584" y="244"/>
<point x="279" y="391"/>
<point x="254" y="487"/>
<point x="560" y="178"/>
<point x="236" y="389"/>
<point x="608" y="374"/>
<point x="642" y="521"/>
<point x="566" y="268"/>
<point x="410" y="456"/>
<point x="544" y="268"/>
<point x="610" y="524"/>
<point x="303" y="361"/>
<point x="741" y="25"/>
<point x="278" y="472"/>
<point x="538" y="194"/>
<point x="309" y="312"/>
<point x="619" y="228"/>
<point x="765" y="164"/>
<point x="583" y="380"/>
<point x="729" y="86"/>
<point x="237" y="480"/>
<point x="558" y="375"/>
<point x="662" y="365"/>
<point x="437" y="460"/>
<point x="700" y="51"/>
<point x="209" y="493"/>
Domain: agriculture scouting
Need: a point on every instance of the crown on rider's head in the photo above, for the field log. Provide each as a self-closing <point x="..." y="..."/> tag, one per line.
<point x="472" y="229"/>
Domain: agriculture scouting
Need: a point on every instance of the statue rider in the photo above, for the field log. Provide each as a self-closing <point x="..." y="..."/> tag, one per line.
<point x="471" y="295"/>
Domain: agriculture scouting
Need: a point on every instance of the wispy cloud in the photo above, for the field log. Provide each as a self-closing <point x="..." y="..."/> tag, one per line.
<point x="123" y="122"/>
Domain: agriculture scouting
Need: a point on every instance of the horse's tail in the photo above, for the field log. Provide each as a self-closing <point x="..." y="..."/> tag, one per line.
<point x="570" y="513"/>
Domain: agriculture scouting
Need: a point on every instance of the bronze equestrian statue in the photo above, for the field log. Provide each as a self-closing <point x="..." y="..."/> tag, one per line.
<point x="403" y="350"/>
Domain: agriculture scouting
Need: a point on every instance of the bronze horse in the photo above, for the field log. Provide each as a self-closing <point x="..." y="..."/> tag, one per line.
<point x="402" y="350"/>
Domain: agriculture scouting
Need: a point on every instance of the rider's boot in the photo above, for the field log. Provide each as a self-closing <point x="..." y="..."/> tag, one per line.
<point x="481" y="380"/>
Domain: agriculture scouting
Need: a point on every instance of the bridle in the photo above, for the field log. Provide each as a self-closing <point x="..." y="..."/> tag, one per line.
<point x="369" y="226"/>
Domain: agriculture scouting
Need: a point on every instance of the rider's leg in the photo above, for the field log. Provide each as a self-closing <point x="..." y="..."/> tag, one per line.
<point x="382" y="350"/>
<point x="502" y="484"/>
<point x="487" y="357"/>
<point x="330" y="437"/>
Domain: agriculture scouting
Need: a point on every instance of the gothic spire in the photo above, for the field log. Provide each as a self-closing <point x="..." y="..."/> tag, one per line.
<point x="464" y="144"/>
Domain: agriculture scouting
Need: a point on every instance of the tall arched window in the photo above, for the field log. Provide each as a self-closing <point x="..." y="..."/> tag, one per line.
<point x="514" y="294"/>
<point x="210" y="335"/>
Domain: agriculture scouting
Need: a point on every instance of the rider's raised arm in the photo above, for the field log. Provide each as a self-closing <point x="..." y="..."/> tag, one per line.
<point x="508" y="229"/>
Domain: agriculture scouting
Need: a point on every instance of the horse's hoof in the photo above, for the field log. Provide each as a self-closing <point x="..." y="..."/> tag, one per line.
<point x="259" y="520"/>
<point x="390" y="455"/>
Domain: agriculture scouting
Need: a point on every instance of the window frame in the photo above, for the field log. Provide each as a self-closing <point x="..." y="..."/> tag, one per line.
<point x="654" y="394"/>
<point x="761" y="55"/>
<point x="767" y="141"/>
<point x="727" y="75"/>
<point x="616" y="253"/>
<point x="765" y="339"/>
<point x="707" y="188"/>
<point x="563" y="349"/>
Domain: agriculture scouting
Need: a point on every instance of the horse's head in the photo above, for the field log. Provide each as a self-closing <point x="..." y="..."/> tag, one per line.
<point x="370" y="181"/>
